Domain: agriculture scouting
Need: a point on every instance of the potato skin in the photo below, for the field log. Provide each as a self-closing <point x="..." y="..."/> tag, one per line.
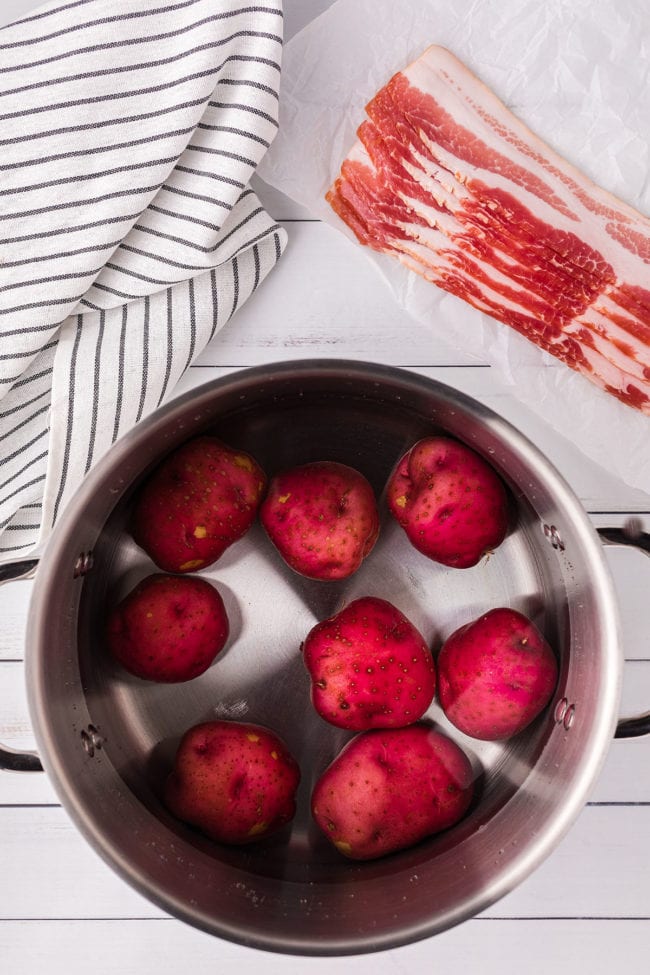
<point x="370" y="667"/>
<point x="236" y="782"/>
<point x="496" y="674"/>
<point x="389" y="789"/>
<point x="168" y="629"/>
<point x="450" y="502"/>
<point x="322" y="517"/>
<point x="203" y="497"/>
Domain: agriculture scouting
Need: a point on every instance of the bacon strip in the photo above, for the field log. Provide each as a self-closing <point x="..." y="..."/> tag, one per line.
<point x="448" y="181"/>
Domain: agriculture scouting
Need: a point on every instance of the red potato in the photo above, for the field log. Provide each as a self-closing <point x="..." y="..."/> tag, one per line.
<point x="168" y="629"/>
<point x="202" y="498"/>
<point x="370" y="667"/>
<point x="235" y="782"/>
<point x="450" y="502"/>
<point x="495" y="675"/>
<point x="390" y="789"/>
<point x="322" y="518"/>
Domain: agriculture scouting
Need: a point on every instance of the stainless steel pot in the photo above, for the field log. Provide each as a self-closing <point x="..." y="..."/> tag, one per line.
<point x="107" y="740"/>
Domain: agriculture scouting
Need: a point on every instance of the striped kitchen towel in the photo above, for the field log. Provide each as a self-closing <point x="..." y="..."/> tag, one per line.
<point x="128" y="230"/>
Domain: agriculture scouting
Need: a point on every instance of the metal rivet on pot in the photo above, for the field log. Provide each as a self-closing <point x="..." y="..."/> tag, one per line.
<point x="569" y="715"/>
<point x="91" y="740"/>
<point x="560" y="709"/>
<point x="553" y="536"/>
<point x="83" y="564"/>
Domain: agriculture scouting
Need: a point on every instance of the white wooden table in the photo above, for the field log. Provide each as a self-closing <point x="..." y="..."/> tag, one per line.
<point x="587" y="909"/>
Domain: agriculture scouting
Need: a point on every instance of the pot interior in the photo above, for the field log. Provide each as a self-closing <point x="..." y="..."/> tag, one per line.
<point x="294" y="892"/>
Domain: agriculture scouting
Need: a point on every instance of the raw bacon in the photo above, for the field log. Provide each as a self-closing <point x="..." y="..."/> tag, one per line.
<point x="447" y="180"/>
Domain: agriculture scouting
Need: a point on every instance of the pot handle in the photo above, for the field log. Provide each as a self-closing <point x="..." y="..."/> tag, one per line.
<point x="10" y="759"/>
<point x="631" y="533"/>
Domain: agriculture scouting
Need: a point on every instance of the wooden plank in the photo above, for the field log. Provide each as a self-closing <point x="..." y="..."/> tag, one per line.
<point x="25" y="789"/>
<point x="625" y="776"/>
<point x="630" y="570"/>
<point x="14" y="606"/>
<point x="43" y="853"/>
<point x="15" y="728"/>
<point x="593" y="873"/>
<point x="326" y="299"/>
<point x="561" y="947"/>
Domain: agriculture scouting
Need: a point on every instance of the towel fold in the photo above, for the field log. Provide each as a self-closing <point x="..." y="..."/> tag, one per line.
<point x="129" y="233"/>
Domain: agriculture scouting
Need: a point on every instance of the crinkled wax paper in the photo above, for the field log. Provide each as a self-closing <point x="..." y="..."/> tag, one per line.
<point x="575" y="71"/>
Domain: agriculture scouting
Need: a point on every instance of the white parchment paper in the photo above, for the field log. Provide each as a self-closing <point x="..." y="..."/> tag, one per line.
<point x="575" y="71"/>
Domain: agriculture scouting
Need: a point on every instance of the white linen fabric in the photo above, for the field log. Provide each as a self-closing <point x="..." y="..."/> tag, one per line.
<point x="128" y="230"/>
